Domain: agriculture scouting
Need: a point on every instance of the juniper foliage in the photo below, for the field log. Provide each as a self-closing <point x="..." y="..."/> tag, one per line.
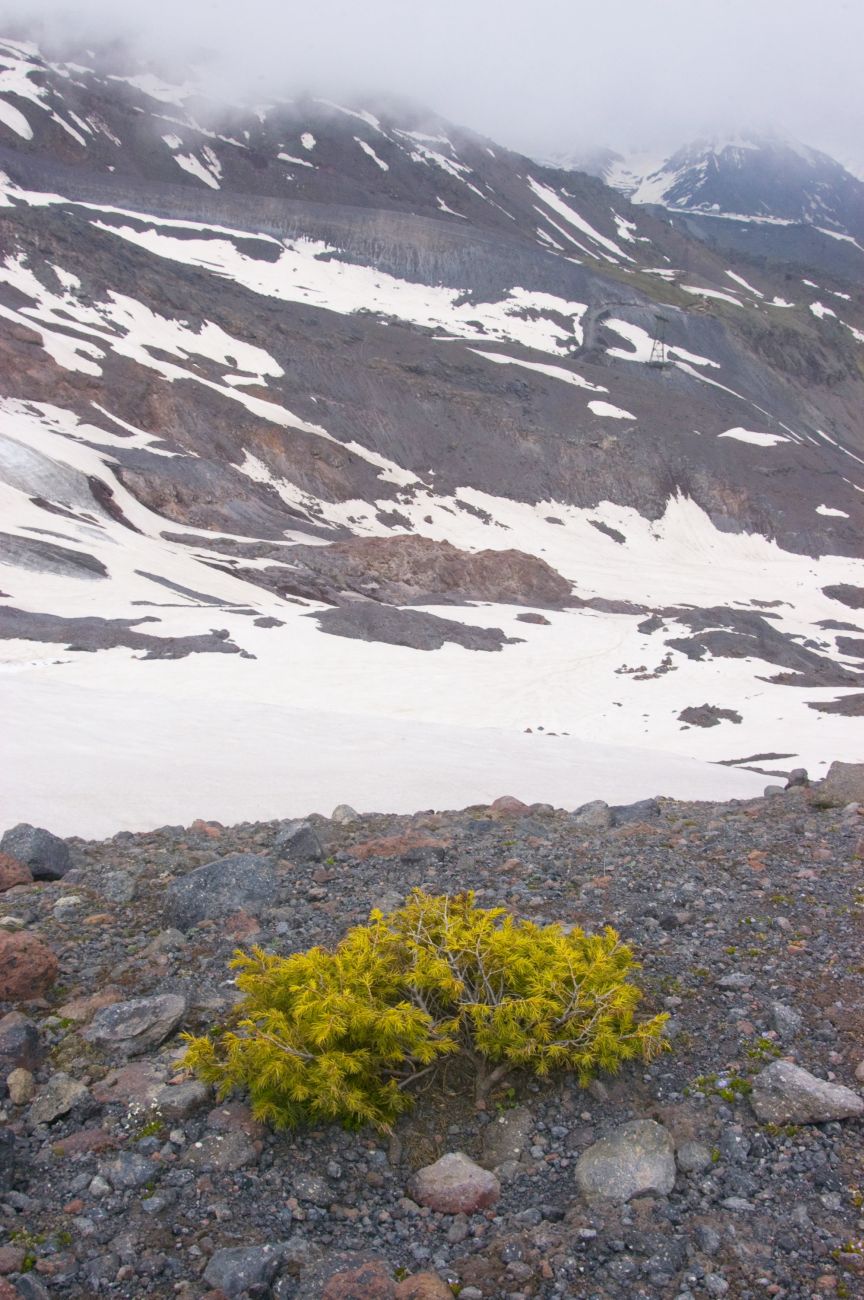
<point x="341" y="1035"/>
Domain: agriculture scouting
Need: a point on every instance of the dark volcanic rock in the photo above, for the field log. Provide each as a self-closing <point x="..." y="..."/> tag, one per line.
<point x="236" y="1270"/>
<point x="847" y="594"/>
<point x="852" y="706"/>
<point x="369" y="621"/>
<point x="46" y="856"/>
<point x="20" y="1047"/>
<point x="707" y="715"/>
<point x="298" y="841"/>
<point x="92" y="633"/>
<point x="240" y="882"/>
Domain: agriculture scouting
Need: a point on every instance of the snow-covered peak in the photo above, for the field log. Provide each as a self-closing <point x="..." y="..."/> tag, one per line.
<point x="752" y="175"/>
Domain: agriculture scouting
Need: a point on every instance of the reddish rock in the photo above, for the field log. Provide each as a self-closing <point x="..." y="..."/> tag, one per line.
<point x="27" y="967"/>
<point x="85" y="1140"/>
<point x="13" y="872"/>
<point x="235" y="1117"/>
<point x="11" y="1259"/>
<point x="211" y="829"/>
<point x="81" y="1009"/>
<point x="395" y="846"/>
<point x="8" y="1291"/>
<point x="509" y="804"/>
<point x="455" y="1185"/>
<point x="242" y="926"/>
<point x="423" y="1286"/>
<point x="139" y="1082"/>
<point x="370" y="1281"/>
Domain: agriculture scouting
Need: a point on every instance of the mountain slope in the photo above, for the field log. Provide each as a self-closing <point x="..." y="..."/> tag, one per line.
<point x="778" y="199"/>
<point x="230" y="338"/>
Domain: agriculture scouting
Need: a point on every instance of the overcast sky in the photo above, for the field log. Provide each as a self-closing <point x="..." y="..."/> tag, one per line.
<point x="538" y="75"/>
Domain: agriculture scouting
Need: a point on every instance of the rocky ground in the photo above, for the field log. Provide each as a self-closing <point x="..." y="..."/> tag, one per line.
<point x="700" y="1175"/>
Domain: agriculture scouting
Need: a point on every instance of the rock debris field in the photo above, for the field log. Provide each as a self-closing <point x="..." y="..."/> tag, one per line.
<point x="732" y="1165"/>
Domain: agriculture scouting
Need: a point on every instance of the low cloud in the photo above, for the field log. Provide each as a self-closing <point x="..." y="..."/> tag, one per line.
<point x="559" y="75"/>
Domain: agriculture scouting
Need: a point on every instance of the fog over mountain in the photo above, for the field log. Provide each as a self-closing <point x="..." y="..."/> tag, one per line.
<point x="539" y="78"/>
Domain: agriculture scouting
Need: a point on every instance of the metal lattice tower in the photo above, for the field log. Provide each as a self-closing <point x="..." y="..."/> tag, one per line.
<point x="658" y="355"/>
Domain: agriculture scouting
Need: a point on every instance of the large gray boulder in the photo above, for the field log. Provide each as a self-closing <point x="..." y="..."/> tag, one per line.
<point x="243" y="882"/>
<point x="785" y="1094"/>
<point x="637" y="1158"/>
<point x="45" y="854"/>
<point x="234" y="1270"/>
<point x="596" y="815"/>
<point x="59" y="1095"/>
<point x="843" y="784"/>
<point x="130" y="1028"/>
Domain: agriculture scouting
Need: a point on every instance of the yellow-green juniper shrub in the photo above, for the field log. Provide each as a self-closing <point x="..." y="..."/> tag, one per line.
<point x="340" y="1035"/>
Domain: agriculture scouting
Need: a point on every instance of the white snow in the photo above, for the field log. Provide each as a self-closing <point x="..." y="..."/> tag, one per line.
<point x="756" y="438"/>
<point x="15" y="120"/>
<point x="642" y="345"/>
<point x="610" y="411"/>
<point x="156" y="88"/>
<point x="450" y="212"/>
<point x="173" y="141"/>
<point x="701" y="292"/>
<point x="829" y="510"/>
<point x="192" y="164"/>
<point x="299" y="162"/>
<point x="370" y="153"/>
<point x="745" y="284"/>
<point x="555" y="372"/>
<point x="300" y="275"/>
<point x="821" y="311"/>
<point x="557" y="204"/>
<point x="308" y="140"/>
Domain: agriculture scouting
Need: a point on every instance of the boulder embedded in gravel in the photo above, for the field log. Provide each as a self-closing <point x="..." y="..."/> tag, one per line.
<point x="455" y="1185"/>
<point x="130" y="1028"/>
<point x="787" y="1021"/>
<point x="13" y="872"/>
<point x="20" y="1047"/>
<point x="45" y="854"/>
<point x="638" y="1157"/>
<point x="692" y="1157"/>
<point x="60" y="1094"/>
<point x="117" y="886"/>
<point x="595" y="815"/>
<point x="28" y="967"/>
<point x="21" y="1086"/>
<point x="298" y="841"/>
<point x="343" y="814"/>
<point x="369" y="1281"/>
<point x="843" y="784"/>
<point x="644" y="810"/>
<point x="239" y="1268"/>
<point x="509" y="804"/>
<point x="783" y="1093"/>
<point x="423" y="1286"/>
<point x="242" y="882"/>
<point x="507" y="1136"/>
<point x="180" y="1100"/>
<point x="222" y="1152"/>
<point x="127" y="1169"/>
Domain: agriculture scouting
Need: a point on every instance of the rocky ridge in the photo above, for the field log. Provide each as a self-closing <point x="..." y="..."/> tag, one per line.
<point x="730" y="1166"/>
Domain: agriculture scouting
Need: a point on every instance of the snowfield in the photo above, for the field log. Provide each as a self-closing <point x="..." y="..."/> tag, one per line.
<point x="98" y="741"/>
